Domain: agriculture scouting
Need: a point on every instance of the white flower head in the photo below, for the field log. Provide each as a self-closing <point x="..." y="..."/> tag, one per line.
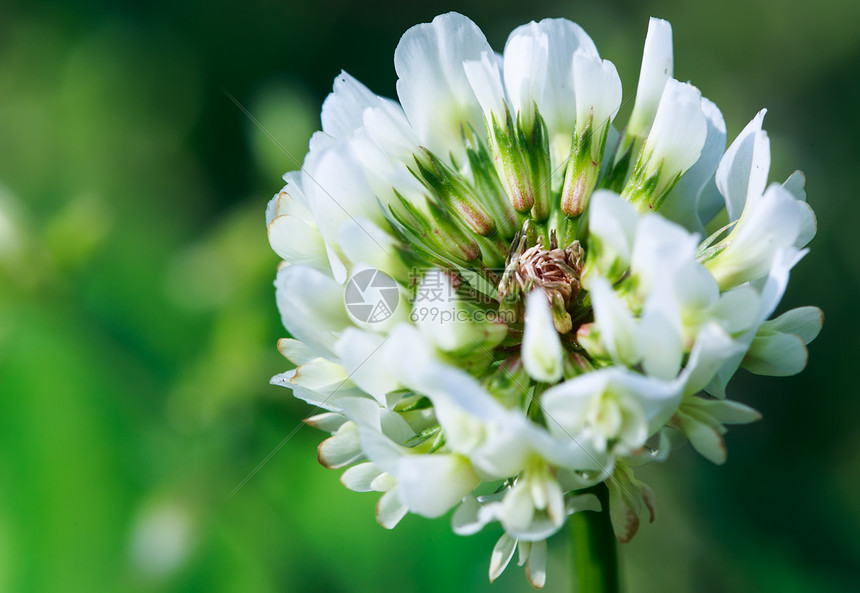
<point x="501" y="304"/>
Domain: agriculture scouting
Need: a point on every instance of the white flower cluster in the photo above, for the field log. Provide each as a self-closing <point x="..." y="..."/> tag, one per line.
<point x="584" y="320"/>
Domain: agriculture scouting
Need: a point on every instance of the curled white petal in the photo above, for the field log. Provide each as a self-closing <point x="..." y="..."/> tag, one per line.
<point x="598" y="92"/>
<point x="692" y="202"/>
<point x="678" y="134"/>
<point x="656" y="70"/>
<point x="742" y="174"/>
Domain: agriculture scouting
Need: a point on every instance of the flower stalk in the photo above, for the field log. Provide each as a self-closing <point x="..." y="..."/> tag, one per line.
<point x="594" y="558"/>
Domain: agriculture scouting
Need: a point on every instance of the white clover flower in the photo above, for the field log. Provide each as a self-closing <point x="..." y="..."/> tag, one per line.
<point x="501" y="305"/>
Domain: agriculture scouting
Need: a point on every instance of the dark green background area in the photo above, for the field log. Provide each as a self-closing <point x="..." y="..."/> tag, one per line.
<point x="138" y="324"/>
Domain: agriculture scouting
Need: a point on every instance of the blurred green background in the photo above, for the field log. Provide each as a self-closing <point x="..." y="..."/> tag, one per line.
<point x="138" y="324"/>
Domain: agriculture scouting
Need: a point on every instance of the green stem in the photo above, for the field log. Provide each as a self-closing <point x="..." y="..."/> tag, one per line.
<point x="594" y="567"/>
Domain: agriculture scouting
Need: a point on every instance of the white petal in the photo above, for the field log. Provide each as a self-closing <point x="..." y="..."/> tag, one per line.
<point x="381" y="430"/>
<point x="394" y="426"/>
<point x="297" y="204"/>
<point x="432" y="84"/>
<point x="320" y="383"/>
<point x="272" y="209"/>
<point x="659" y="336"/>
<point x="726" y="411"/>
<point x="771" y="223"/>
<point x="658" y="399"/>
<point x="771" y="293"/>
<point x="290" y="227"/>
<point x="341" y="449"/>
<point x="362" y="356"/>
<point x="289" y="201"/>
<point x="615" y="321"/>
<point x="327" y="421"/>
<point x="541" y="349"/>
<point x="311" y="306"/>
<point x="737" y="309"/>
<point x="712" y="349"/>
<point x="661" y="249"/>
<point x="383" y="483"/>
<point x="336" y="265"/>
<point x="465" y="519"/>
<point x="337" y="188"/>
<point x="525" y="68"/>
<point x="555" y="507"/>
<point x="612" y="221"/>
<point x="706" y="437"/>
<point x="623" y="505"/>
<point x="685" y="203"/>
<point x="777" y="281"/>
<point x="525" y="549"/>
<point x="359" y="477"/>
<point x="678" y="134"/>
<point x="796" y="184"/>
<point x="295" y="351"/>
<point x="296" y="241"/>
<point x="583" y="502"/>
<point x="378" y="448"/>
<point x="598" y="91"/>
<point x="464" y="432"/>
<point x="389" y="509"/>
<point x="486" y="81"/>
<point x="656" y="70"/>
<point x="343" y="109"/>
<point x="806" y="322"/>
<point x="503" y="551"/>
<point x="499" y="453"/>
<point x="742" y="174"/>
<point x="778" y="355"/>
<point x="518" y="508"/>
<point x="536" y="565"/>
<point x="385" y="168"/>
<point x="431" y="484"/>
<point x="386" y="125"/>
<point x="318" y="374"/>
<point x="808" y="225"/>
<point x="365" y="242"/>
